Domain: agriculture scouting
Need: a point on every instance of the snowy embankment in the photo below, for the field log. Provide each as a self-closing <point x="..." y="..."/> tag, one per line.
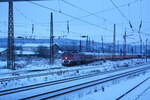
<point x="63" y="72"/>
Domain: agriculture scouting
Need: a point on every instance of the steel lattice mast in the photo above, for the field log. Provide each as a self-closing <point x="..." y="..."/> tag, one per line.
<point x="10" y="41"/>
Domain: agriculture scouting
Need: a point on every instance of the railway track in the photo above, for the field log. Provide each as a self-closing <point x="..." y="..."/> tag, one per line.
<point x="77" y="87"/>
<point x="46" y="69"/>
<point x="50" y="72"/>
<point x="73" y="87"/>
<point x="44" y="72"/>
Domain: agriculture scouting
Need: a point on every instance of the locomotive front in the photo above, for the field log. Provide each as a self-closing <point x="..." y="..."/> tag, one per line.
<point x="67" y="58"/>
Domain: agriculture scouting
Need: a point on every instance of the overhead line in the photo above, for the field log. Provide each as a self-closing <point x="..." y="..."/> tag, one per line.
<point x="73" y="5"/>
<point x="122" y="14"/>
<point x="61" y="12"/>
<point x="108" y="9"/>
<point x="21" y="13"/>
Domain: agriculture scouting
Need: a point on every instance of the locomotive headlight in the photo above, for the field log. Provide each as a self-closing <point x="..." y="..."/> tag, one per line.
<point x="65" y="57"/>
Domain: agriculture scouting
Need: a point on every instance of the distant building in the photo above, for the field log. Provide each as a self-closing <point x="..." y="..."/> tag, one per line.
<point x="35" y="49"/>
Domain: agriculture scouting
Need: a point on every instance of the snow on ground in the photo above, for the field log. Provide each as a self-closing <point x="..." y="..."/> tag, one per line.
<point x="41" y="63"/>
<point x="2" y="49"/>
<point x="75" y="82"/>
<point x="145" y="95"/>
<point x="29" y="63"/>
<point x="112" y="92"/>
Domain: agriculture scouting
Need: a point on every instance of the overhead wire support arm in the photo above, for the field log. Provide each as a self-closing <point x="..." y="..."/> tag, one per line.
<point x="122" y="14"/>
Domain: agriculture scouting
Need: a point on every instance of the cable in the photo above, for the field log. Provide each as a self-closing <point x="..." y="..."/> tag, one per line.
<point x="108" y="9"/>
<point x="122" y="14"/>
<point x="66" y="2"/>
<point x="61" y="12"/>
<point x="24" y="15"/>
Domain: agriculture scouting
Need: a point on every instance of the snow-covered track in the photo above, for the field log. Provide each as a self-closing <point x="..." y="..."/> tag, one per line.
<point x="43" y="72"/>
<point x="49" y="71"/>
<point x="77" y="87"/>
<point x="127" y="92"/>
<point x="45" y="69"/>
<point x="72" y="87"/>
<point x="15" y="90"/>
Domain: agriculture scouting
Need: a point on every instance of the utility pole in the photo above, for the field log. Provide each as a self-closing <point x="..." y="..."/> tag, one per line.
<point x="102" y="41"/>
<point x="32" y="37"/>
<point x="92" y="43"/>
<point x="51" y="40"/>
<point x="87" y="43"/>
<point x="10" y="41"/>
<point x="132" y="50"/>
<point x="114" y="41"/>
<point x="124" y="48"/>
<point x="135" y="49"/>
<point x="80" y="46"/>
<point x="141" y="46"/>
<point x="68" y="29"/>
<point x="146" y="49"/>
<point x="117" y="47"/>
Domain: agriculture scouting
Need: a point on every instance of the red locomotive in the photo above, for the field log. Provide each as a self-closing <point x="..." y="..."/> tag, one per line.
<point x="74" y="58"/>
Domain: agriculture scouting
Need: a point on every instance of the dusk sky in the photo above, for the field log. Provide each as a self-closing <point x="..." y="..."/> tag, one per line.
<point x="94" y="18"/>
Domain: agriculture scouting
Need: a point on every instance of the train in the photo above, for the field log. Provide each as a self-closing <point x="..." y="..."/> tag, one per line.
<point x="75" y="58"/>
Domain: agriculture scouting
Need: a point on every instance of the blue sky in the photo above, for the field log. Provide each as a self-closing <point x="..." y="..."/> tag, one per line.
<point x="101" y="23"/>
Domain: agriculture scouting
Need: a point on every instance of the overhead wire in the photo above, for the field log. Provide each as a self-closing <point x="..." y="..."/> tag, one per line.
<point x="126" y="18"/>
<point x="77" y="18"/>
<point x="22" y="14"/>
<point x="79" y="8"/>
<point x="108" y="9"/>
<point x="121" y="13"/>
<point x="75" y="6"/>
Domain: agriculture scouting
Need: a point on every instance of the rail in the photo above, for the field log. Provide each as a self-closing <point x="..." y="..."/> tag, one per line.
<point x="72" y="88"/>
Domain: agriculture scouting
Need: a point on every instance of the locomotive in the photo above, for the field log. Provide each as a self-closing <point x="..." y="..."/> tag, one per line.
<point x="75" y="58"/>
